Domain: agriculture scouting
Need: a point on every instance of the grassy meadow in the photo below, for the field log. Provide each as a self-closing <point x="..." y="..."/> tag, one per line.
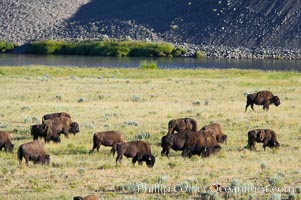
<point x="140" y="103"/>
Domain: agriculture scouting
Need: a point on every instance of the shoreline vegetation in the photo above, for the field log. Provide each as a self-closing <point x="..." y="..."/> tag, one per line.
<point x="132" y="48"/>
<point x="140" y="102"/>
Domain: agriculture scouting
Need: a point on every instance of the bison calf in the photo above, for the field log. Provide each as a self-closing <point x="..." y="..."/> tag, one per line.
<point x="137" y="150"/>
<point x="216" y="131"/>
<point x="107" y="138"/>
<point x="181" y="125"/>
<point x="264" y="98"/>
<point x="265" y="136"/>
<point x="33" y="151"/>
<point x="5" y="141"/>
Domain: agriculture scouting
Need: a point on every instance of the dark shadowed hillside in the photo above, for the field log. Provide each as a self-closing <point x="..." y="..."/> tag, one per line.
<point x="253" y="23"/>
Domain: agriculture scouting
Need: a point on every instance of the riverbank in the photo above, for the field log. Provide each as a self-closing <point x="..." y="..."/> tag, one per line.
<point x="242" y="52"/>
<point x="188" y="50"/>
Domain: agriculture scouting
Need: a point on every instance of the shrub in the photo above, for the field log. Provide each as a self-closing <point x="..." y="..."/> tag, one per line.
<point x="199" y="54"/>
<point x="275" y="180"/>
<point x="104" y="48"/>
<point x="6" y="46"/>
<point x="179" y="51"/>
<point x="148" y="65"/>
<point x="142" y="135"/>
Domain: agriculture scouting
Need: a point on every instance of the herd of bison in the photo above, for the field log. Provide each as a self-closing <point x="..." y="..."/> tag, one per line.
<point x="183" y="135"/>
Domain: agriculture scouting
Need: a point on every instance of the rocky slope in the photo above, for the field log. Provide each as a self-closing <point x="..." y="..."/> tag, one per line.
<point x="233" y="23"/>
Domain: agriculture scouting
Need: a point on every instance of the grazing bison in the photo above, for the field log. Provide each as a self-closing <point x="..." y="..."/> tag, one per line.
<point x="33" y="151"/>
<point x="54" y="115"/>
<point x="201" y="143"/>
<point x="265" y="136"/>
<point x="181" y="125"/>
<point x="5" y="141"/>
<point x="89" y="197"/>
<point x="264" y="98"/>
<point x="107" y="138"/>
<point x="137" y="150"/>
<point x="175" y="141"/>
<point x="63" y="125"/>
<point x="216" y="130"/>
<point x="42" y="130"/>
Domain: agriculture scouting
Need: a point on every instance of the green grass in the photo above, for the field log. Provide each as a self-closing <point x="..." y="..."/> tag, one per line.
<point x="140" y="103"/>
<point x="105" y="48"/>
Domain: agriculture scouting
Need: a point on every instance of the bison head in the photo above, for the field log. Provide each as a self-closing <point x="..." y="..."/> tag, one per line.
<point x="222" y="139"/>
<point x="74" y="128"/>
<point x="171" y="126"/>
<point x="276" y="100"/>
<point x="150" y="160"/>
<point x="9" y="148"/>
<point x="42" y="159"/>
<point x="45" y="159"/>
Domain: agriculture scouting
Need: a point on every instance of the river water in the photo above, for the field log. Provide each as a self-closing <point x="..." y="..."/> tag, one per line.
<point x="164" y="63"/>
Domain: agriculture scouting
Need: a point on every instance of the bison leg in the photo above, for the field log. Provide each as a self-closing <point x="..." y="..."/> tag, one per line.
<point x="265" y="144"/>
<point x="252" y="106"/>
<point x="266" y="107"/>
<point x="118" y="158"/>
<point x="247" y="106"/>
<point x="20" y="159"/>
<point x="26" y="157"/>
<point x="94" y="147"/>
<point x="35" y="137"/>
<point x="165" y="151"/>
<point x="134" y="160"/>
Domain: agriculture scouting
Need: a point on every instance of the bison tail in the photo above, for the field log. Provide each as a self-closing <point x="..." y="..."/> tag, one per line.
<point x="20" y="154"/>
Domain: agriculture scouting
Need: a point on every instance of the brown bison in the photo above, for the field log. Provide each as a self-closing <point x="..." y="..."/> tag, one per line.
<point x="201" y="143"/>
<point x="264" y="98"/>
<point x="137" y="150"/>
<point x="5" y="141"/>
<point x="265" y="136"/>
<point x="216" y="130"/>
<point x="33" y="151"/>
<point x="62" y="125"/>
<point x="42" y="130"/>
<point x="106" y="138"/>
<point x="54" y="115"/>
<point x="181" y="125"/>
<point x="175" y="141"/>
<point x="89" y="197"/>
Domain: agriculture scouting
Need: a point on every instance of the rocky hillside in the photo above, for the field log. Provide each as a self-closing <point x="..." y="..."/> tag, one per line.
<point x="236" y="23"/>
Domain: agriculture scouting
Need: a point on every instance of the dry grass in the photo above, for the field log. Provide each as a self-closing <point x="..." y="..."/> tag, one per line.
<point x="105" y="99"/>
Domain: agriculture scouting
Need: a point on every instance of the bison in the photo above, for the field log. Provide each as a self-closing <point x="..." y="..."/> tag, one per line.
<point x="54" y="115"/>
<point x="216" y="130"/>
<point x="202" y="143"/>
<point x="62" y="125"/>
<point x="181" y="125"/>
<point x="264" y="98"/>
<point x="266" y="136"/>
<point x="6" y="141"/>
<point x="175" y="141"/>
<point x="42" y="130"/>
<point x="137" y="150"/>
<point x="88" y="197"/>
<point x="33" y="151"/>
<point x="107" y="138"/>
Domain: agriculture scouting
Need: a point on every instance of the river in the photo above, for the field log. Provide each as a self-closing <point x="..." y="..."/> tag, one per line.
<point x="164" y="63"/>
